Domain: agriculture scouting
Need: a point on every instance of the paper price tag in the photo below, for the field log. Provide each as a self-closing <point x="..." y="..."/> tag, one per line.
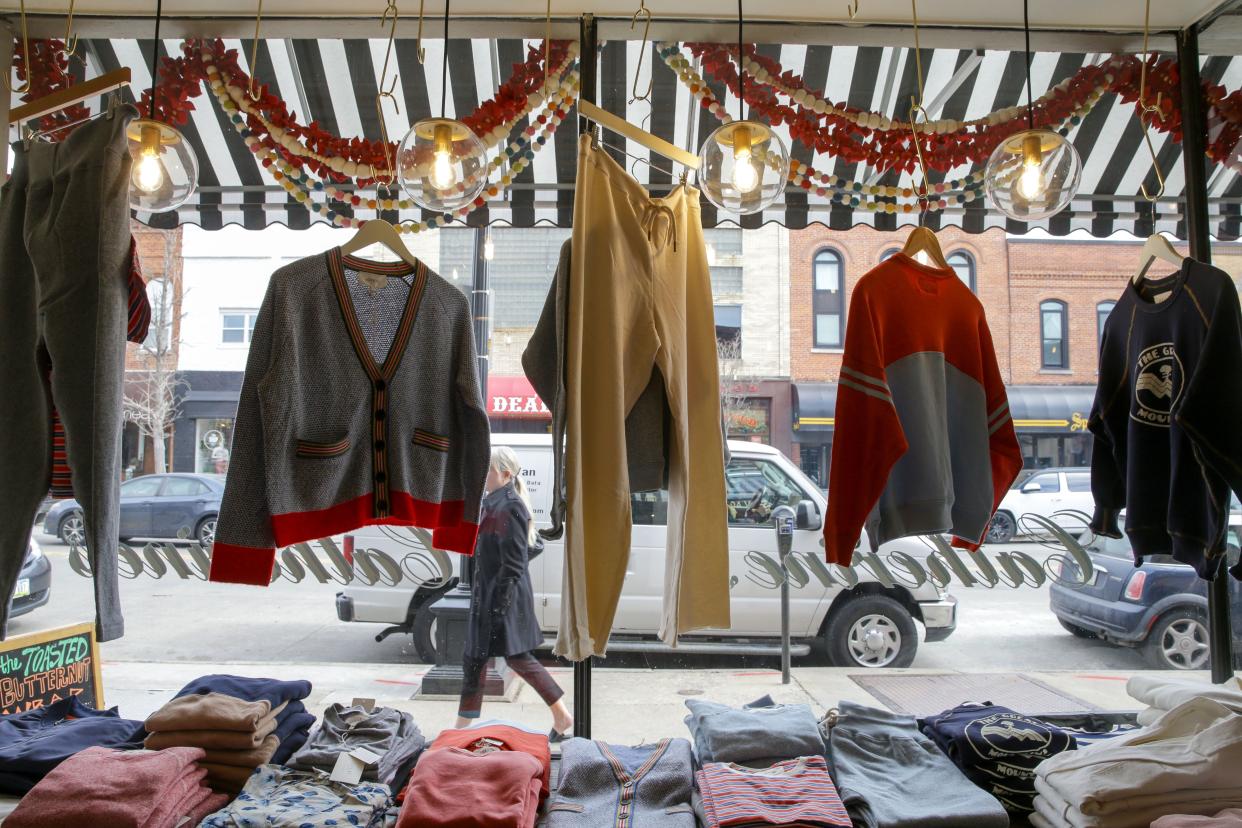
<point x="365" y="756"/>
<point x="366" y="704"/>
<point x="348" y="769"/>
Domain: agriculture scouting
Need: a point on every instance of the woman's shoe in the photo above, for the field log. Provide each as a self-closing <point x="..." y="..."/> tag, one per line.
<point x="555" y="736"/>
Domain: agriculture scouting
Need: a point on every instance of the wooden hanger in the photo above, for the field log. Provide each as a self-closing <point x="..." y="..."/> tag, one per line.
<point x="70" y="95"/>
<point x="378" y="231"/>
<point x="923" y="240"/>
<point x="1156" y="247"/>
<point x="656" y="144"/>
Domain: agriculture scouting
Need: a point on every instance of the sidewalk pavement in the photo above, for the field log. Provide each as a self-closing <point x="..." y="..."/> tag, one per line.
<point x="629" y="705"/>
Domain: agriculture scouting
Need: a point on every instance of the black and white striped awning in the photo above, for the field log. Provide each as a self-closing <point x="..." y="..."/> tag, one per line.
<point x="334" y="82"/>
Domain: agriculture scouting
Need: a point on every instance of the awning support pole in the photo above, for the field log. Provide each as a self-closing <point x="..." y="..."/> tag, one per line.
<point x="587" y="62"/>
<point x="1194" y="128"/>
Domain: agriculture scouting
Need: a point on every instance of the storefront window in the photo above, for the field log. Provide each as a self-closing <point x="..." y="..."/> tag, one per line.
<point x="237" y="326"/>
<point x="213" y="445"/>
<point x="828" y="304"/>
<point x="1054" y="348"/>
<point x="963" y="265"/>
<point x="1102" y="310"/>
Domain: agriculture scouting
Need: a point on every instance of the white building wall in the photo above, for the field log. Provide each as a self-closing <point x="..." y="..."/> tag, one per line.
<point x="765" y="302"/>
<point x="228" y="269"/>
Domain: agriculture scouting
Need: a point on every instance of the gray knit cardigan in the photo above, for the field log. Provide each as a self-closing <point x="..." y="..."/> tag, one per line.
<point x="328" y="438"/>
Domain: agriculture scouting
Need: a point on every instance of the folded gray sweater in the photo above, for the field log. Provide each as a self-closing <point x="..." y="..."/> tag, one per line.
<point x="389" y="733"/>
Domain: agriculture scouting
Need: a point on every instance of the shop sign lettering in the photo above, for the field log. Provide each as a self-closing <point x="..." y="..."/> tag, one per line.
<point x="43" y="668"/>
<point x="528" y="404"/>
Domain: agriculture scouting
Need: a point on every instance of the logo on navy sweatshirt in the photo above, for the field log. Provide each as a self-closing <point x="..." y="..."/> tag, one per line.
<point x="1158" y="380"/>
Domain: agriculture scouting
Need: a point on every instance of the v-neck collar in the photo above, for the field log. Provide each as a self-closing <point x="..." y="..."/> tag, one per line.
<point x="618" y="767"/>
<point x="337" y="262"/>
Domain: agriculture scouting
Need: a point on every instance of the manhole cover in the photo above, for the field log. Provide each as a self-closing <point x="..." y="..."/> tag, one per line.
<point x="928" y="695"/>
<point x="692" y="691"/>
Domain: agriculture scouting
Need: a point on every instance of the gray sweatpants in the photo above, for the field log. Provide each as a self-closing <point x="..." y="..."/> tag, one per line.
<point x="64" y="256"/>
<point x="890" y="775"/>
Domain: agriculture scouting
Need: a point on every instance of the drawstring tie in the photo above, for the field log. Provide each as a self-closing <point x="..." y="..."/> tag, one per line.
<point x="651" y="217"/>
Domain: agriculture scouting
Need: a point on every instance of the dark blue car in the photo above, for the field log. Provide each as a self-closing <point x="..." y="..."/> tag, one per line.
<point x="1159" y="607"/>
<point x="161" y="506"/>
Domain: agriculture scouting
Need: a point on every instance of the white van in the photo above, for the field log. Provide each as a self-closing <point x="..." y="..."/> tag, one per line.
<point x="868" y="625"/>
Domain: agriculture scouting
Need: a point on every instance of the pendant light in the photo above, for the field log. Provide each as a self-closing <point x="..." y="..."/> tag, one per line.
<point x="440" y="160"/>
<point x="164" y="173"/>
<point x="744" y="164"/>
<point x="1034" y="173"/>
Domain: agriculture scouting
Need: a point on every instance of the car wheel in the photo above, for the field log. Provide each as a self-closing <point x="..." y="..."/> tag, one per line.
<point x="1179" y="641"/>
<point x="871" y="631"/>
<point x="206" y="531"/>
<point x="424" y="633"/>
<point x="1002" y="528"/>
<point x="73" y="529"/>
<point x="1075" y="630"/>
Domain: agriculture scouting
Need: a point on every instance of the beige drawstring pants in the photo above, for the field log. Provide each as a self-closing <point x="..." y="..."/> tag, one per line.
<point x="639" y="296"/>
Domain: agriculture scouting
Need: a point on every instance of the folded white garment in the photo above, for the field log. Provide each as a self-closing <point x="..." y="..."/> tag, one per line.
<point x="1197" y="746"/>
<point x="1167" y="692"/>
<point x="1148" y="716"/>
<point x="1037" y="819"/>
<point x="1137" y="811"/>
<point x="1050" y="813"/>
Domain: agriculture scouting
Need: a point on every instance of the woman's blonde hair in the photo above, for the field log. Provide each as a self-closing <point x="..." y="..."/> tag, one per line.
<point x="505" y="459"/>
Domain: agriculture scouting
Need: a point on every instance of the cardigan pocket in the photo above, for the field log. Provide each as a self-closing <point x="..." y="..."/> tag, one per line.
<point x="316" y="450"/>
<point x="572" y="807"/>
<point x="431" y="440"/>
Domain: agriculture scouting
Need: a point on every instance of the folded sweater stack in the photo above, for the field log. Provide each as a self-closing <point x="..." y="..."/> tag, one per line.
<point x="1185" y="763"/>
<point x="1163" y="693"/>
<point x="106" y="788"/>
<point x="36" y="741"/>
<point x="240" y="723"/>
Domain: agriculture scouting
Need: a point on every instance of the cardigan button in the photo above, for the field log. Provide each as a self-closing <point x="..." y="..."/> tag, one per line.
<point x="380" y="385"/>
<point x="382" y="506"/>
<point x="380" y="414"/>
<point x="379" y="477"/>
<point x="379" y="445"/>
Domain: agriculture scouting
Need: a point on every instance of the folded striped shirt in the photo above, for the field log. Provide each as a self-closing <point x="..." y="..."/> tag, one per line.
<point x="796" y="792"/>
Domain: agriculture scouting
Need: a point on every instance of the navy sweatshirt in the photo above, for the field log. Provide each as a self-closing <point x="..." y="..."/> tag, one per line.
<point x="1167" y="417"/>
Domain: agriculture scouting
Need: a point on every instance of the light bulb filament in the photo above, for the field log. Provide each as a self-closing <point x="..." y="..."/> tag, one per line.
<point x="1031" y="182"/>
<point x="443" y="168"/>
<point x="745" y="176"/>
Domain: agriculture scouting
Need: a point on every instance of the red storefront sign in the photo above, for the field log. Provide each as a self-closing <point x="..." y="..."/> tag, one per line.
<point x="514" y="398"/>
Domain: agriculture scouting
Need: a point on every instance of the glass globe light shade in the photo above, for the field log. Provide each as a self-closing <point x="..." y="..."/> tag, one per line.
<point x="1032" y="175"/>
<point x="164" y="172"/>
<point x="743" y="167"/>
<point x="441" y="164"/>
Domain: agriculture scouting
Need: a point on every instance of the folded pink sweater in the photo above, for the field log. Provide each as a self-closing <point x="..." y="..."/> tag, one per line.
<point x="454" y="788"/>
<point x="106" y="788"/>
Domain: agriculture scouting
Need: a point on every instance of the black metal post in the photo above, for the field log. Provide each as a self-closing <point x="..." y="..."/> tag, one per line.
<point x="1194" y="130"/>
<point x="452" y="610"/>
<point x="587" y="62"/>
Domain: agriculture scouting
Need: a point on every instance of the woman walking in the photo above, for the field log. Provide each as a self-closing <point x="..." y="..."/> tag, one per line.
<point x="502" y="603"/>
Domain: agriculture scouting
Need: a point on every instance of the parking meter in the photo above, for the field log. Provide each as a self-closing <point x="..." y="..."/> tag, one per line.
<point x="783" y="519"/>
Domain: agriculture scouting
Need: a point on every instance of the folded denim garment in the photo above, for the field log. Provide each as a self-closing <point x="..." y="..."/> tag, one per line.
<point x="34" y="742"/>
<point x="106" y="788"/>
<point x="892" y="776"/>
<point x="761" y="730"/>
<point x="214" y="711"/>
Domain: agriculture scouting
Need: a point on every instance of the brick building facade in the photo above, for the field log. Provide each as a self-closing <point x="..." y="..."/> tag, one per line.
<point x="1044" y="300"/>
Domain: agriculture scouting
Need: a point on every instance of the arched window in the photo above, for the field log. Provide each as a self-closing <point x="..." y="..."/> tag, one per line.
<point x="963" y="265"/>
<point x="1053" y="334"/>
<point x="1102" y="311"/>
<point x="828" y="299"/>
<point x="890" y="253"/>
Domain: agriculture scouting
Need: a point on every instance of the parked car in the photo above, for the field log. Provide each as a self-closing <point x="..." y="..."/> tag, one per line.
<point x="1063" y="496"/>
<point x="866" y="626"/>
<point x="160" y="506"/>
<point x="1159" y="607"/>
<point x="34" y="582"/>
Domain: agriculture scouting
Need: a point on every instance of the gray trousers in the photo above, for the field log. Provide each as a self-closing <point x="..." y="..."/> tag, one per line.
<point x="890" y="775"/>
<point x="64" y="257"/>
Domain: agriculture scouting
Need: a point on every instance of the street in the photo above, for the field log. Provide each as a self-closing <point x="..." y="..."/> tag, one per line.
<point x="171" y="620"/>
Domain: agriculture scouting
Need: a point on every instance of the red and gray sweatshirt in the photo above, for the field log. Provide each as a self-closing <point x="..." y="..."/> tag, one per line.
<point x="924" y="442"/>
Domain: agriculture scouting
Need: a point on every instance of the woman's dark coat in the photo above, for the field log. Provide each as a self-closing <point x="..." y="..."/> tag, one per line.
<point x="502" y="602"/>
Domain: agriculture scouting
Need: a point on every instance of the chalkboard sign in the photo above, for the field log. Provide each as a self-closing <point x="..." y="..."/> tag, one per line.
<point x="44" y="667"/>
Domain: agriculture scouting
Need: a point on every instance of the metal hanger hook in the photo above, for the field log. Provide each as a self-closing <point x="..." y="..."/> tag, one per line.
<point x="71" y="40"/>
<point x="1146" y="112"/>
<point x="253" y="91"/>
<point x="8" y="83"/>
<point x="419" y="49"/>
<point x="852" y="9"/>
<point x="389" y="18"/>
<point x="645" y="13"/>
<point x="921" y="190"/>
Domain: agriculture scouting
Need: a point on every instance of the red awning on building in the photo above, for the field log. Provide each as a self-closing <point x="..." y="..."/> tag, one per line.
<point x="513" y="398"/>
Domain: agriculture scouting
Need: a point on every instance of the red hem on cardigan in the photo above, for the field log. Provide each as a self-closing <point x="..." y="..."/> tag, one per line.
<point x="444" y="519"/>
<point x="233" y="564"/>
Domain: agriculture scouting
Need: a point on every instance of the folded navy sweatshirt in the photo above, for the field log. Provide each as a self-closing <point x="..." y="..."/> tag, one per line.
<point x="251" y="689"/>
<point x="1167" y="416"/>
